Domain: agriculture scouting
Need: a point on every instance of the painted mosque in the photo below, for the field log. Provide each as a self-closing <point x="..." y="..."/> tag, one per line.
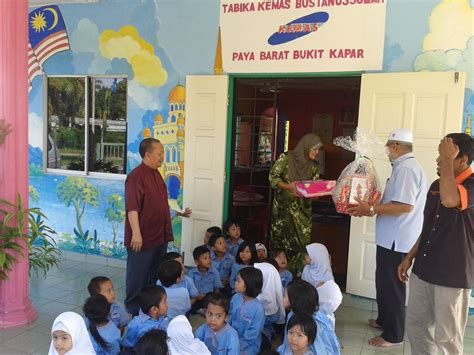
<point x="169" y="130"/>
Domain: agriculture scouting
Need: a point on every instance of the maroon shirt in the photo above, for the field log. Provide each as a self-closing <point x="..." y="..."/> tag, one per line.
<point x="145" y="192"/>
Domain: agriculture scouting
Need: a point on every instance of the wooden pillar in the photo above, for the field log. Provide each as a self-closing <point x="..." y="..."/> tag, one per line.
<point x="15" y="305"/>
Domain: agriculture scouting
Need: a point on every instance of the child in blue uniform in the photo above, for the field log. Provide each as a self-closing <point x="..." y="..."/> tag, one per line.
<point x="301" y="334"/>
<point x="233" y="239"/>
<point x="302" y="297"/>
<point x="204" y="276"/>
<point x="214" y="230"/>
<point x="169" y="274"/>
<point x="222" y="261"/>
<point x="101" y="285"/>
<point x="105" y="336"/>
<point x="186" y="281"/>
<point x="246" y="256"/>
<point x="219" y="337"/>
<point x="247" y="315"/>
<point x="286" y="276"/>
<point x="152" y="315"/>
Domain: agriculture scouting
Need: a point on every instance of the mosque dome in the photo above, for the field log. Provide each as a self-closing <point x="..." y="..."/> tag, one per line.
<point x="177" y="95"/>
<point x="146" y="133"/>
<point x="180" y="133"/>
<point x="159" y="118"/>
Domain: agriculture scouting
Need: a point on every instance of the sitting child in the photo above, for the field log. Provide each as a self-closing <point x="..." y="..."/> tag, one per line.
<point x="152" y="342"/>
<point x="69" y="336"/>
<point x="247" y="314"/>
<point x="233" y="239"/>
<point x="222" y="261"/>
<point x="181" y="338"/>
<point x="302" y="297"/>
<point x="101" y="285"/>
<point x="169" y="274"/>
<point x="219" y="337"/>
<point x="302" y="334"/>
<point x="286" y="276"/>
<point x="204" y="276"/>
<point x="186" y="281"/>
<point x="214" y="230"/>
<point x="152" y="315"/>
<point x="261" y="251"/>
<point x="105" y="336"/>
<point x="246" y="256"/>
<point x="318" y="273"/>
<point x="272" y="299"/>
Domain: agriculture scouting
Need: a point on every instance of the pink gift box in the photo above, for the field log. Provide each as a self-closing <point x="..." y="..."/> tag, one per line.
<point x="315" y="188"/>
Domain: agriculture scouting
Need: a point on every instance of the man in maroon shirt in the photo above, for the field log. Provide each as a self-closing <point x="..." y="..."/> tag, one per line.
<point x="148" y="224"/>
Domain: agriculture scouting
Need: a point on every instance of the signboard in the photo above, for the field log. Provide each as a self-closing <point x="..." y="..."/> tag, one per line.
<point x="274" y="36"/>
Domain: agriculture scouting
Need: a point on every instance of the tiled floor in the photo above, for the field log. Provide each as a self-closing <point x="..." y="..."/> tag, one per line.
<point x="65" y="289"/>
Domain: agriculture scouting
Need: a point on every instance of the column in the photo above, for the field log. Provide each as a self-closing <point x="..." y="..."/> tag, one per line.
<point x="15" y="305"/>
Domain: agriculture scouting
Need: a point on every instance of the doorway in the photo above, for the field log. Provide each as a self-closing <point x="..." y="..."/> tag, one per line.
<point x="269" y="116"/>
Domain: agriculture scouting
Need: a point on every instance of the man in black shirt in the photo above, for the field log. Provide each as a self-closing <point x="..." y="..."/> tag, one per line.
<point x="443" y="273"/>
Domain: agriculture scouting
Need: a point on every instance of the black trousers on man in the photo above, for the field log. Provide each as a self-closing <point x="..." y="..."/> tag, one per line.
<point x="391" y="294"/>
<point x="142" y="268"/>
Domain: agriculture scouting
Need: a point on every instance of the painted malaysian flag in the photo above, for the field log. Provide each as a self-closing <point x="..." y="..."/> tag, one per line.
<point x="47" y="36"/>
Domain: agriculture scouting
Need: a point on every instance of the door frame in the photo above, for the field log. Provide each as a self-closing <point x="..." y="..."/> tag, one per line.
<point x="230" y="113"/>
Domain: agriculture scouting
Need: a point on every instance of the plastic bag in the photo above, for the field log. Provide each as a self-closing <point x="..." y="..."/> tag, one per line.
<point x="358" y="179"/>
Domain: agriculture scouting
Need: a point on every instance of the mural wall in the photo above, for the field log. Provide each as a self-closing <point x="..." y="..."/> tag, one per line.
<point x="155" y="44"/>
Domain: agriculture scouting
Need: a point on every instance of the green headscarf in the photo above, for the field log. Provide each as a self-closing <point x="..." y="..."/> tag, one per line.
<point x="299" y="164"/>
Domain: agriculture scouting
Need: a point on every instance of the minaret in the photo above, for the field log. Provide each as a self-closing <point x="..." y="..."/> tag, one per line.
<point x="468" y="126"/>
<point x="218" y="70"/>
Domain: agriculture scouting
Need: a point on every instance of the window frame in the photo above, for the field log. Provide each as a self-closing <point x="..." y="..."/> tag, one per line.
<point x="89" y="110"/>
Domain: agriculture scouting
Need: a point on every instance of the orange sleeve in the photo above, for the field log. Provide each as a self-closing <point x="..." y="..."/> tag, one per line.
<point x="463" y="195"/>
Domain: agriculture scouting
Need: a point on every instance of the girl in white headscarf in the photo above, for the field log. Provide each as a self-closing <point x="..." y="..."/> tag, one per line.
<point x="318" y="273"/>
<point x="272" y="298"/>
<point x="70" y="336"/>
<point x="182" y="341"/>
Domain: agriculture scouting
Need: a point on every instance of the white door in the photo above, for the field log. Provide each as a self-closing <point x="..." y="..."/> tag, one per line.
<point x="204" y="156"/>
<point x="428" y="104"/>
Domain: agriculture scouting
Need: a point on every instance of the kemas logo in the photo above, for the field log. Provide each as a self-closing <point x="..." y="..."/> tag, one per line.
<point x="298" y="28"/>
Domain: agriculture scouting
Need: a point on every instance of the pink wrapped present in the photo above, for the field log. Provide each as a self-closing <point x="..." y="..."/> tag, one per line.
<point x="315" y="188"/>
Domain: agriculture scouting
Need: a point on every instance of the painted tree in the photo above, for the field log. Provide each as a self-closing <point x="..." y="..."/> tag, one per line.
<point x="79" y="193"/>
<point x="115" y="213"/>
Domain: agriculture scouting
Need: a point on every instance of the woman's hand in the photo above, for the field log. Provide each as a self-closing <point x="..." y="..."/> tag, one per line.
<point x="292" y="188"/>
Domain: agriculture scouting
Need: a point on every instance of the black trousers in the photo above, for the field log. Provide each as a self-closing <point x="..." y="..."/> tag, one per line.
<point x="391" y="294"/>
<point x="142" y="268"/>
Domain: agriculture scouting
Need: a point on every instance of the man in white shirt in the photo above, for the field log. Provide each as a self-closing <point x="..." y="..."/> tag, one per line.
<point x="398" y="226"/>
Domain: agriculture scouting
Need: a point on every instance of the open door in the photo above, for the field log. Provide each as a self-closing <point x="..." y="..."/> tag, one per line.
<point x="204" y="156"/>
<point x="428" y="104"/>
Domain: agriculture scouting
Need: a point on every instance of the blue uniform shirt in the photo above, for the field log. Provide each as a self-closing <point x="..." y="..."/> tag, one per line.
<point x="118" y="315"/>
<point x="408" y="185"/>
<point x="248" y="319"/>
<point x="111" y="334"/>
<point x="187" y="283"/>
<point x="140" y="325"/>
<point x="178" y="301"/>
<point x="206" y="283"/>
<point x="232" y="249"/>
<point x="326" y="342"/>
<point x="222" y="342"/>
<point x="224" y="266"/>
<point x="286" y="278"/>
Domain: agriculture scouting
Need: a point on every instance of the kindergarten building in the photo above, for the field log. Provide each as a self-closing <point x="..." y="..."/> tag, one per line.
<point x="227" y="86"/>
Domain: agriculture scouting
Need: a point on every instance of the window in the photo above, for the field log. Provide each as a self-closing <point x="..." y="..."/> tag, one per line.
<point x="87" y="124"/>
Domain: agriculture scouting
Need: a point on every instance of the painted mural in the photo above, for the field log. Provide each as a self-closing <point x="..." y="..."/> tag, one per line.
<point x="155" y="44"/>
<point x="148" y="43"/>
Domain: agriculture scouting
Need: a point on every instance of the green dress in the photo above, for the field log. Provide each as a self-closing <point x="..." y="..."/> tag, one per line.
<point x="291" y="218"/>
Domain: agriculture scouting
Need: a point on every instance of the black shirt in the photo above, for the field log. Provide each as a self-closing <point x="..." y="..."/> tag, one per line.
<point x="446" y="251"/>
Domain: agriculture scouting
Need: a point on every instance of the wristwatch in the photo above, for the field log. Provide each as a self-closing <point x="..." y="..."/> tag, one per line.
<point x="372" y="211"/>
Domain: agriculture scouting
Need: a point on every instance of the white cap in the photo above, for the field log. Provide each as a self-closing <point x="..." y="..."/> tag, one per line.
<point x="401" y="135"/>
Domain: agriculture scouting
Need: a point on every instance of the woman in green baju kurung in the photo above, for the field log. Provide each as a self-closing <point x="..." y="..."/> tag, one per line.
<point x="291" y="218"/>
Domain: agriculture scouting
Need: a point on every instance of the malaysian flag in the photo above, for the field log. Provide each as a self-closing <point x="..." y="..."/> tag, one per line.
<point x="47" y="36"/>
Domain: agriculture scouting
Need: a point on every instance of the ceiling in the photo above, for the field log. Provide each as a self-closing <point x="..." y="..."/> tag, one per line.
<point x="312" y="83"/>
